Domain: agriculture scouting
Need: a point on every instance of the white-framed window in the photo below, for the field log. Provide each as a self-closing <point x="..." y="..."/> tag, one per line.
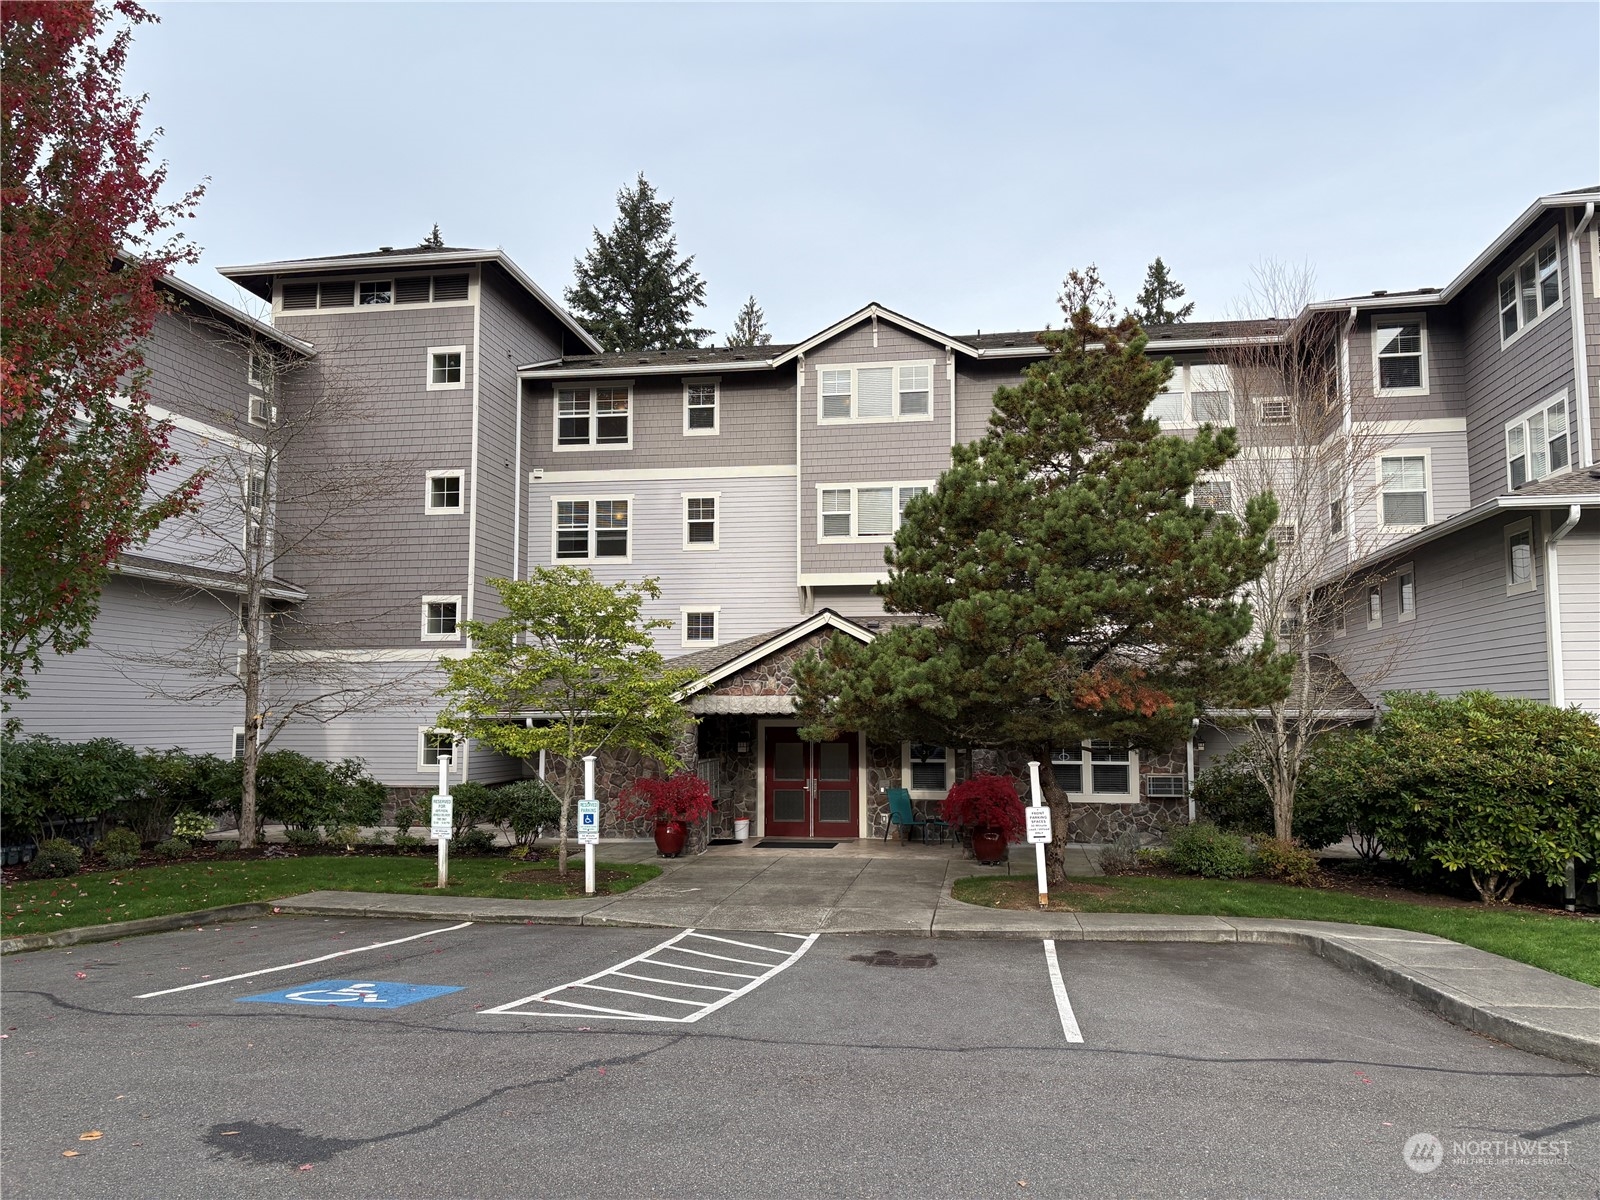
<point x="875" y="392"/>
<point x="1375" y="605"/>
<point x="1215" y="494"/>
<point x="1538" y="443"/>
<point x="444" y="492"/>
<point x="263" y="411"/>
<point x="700" y="624"/>
<point x="1406" y="579"/>
<point x="447" y="368"/>
<point x="1400" y="357"/>
<point x="375" y="291"/>
<point x="1290" y="619"/>
<point x="1336" y="516"/>
<point x="1098" y="771"/>
<point x="701" y="407"/>
<point x="300" y="295"/>
<point x="259" y="371"/>
<point x="1530" y="291"/>
<point x="594" y="418"/>
<point x="238" y="742"/>
<point x="856" y="512"/>
<point x="431" y="743"/>
<point x="701" y="529"/>
<point x="592" y="528"/>
<point x="1403" y="489"/>
<point x="1522" y="573"/>
<point x="1341" y="624"/>
<point x="928" y="771"/>
<point x="441" y="618"/>
<point x="1197" y="395"/>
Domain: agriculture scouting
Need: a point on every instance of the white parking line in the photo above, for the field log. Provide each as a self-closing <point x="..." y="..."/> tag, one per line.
<point x="304" y="962"/>
<point x="1069" y="1022"/>
<point x="784" y="958"/>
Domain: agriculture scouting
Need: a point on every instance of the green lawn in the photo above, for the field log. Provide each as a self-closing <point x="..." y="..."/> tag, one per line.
<point x="45" y="905"/>
<point x="1566" y="945"/>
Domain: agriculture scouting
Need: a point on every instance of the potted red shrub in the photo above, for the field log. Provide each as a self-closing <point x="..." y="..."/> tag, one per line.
<point x="989" y="806"/>
<point x="672" y="803"/>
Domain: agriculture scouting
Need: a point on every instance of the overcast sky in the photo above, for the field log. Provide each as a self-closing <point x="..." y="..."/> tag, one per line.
<point x="950" y="161"/>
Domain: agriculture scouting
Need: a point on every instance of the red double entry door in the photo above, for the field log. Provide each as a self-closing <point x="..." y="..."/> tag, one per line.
<point x="812" y="788"/>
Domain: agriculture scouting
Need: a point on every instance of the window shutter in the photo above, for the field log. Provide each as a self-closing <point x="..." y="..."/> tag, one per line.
<point x="875" y="392"/>
<point x="449" y="287"/>
<point x="299" y="295"/>
<point x="411" y="291"/>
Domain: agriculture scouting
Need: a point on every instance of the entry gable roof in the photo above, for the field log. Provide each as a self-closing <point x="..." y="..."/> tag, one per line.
<point x="719" y="663"/>
<point x="870" y="312"/>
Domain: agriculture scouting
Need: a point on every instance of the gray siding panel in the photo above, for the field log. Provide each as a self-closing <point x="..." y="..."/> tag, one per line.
<point x="1467" y="633"/>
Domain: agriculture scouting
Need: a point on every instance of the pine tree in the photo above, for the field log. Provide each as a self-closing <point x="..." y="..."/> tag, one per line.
<point x="1156" y="304"/>
<point x="750" y="326"/>
<point x="632" y="292"/>
<point x="434" y="240"/>
<point x="1077" y="593"/>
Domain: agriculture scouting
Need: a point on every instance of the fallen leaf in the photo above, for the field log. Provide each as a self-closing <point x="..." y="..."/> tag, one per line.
<point x="94" y="1135"/>
<point x="81" y="974"/>
<point x="304" y="1167"/>
<point x="69" y="1154"/>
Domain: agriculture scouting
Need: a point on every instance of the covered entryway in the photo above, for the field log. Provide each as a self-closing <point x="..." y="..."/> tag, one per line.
<point x="810" y="789"/>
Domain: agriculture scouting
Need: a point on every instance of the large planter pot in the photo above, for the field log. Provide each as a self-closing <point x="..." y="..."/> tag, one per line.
<point x="670" y="837"/>
<point x="988" y="845"/>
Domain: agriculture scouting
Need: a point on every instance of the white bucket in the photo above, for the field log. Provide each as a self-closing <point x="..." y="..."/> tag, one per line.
<point x="741" y="829"/>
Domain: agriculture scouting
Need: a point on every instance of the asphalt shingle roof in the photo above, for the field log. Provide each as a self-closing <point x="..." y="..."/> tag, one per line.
<point x="694" y="356"/>
<point x="1584" y="482"/>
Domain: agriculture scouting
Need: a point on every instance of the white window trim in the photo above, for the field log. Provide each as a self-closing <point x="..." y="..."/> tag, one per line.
<point x="1511" y="530"/>
<point x="260" y="411"/>
<point x="432" y="350"/>
<point x="1523" y="418"/>
<point x="1341" y="622"/>
<point x="441" y="637"/>
<point x="1366" y="599"/>
<point x="683" y="626"/>
<point x="1400" y="573"/>
<point x="236" y="746"/>
<point x="1561" y="289"/>
<point x="428" y="506"/>
<point x="1425" y="453"/>
<point x="715" y="383"/>
<point x="854" y="489"/>
<point x="716" y="524"/>
<point x="457" y="750"/>
<point x="894" y="387"/>
<point x="591" y="445"/>
<point x="1086" y="764"/>
<point x="1390" y="323"/>
<point x="393" y="279"/>
<point x="633" y="514"/>
<point x="927" y="793"/>
<point x="1183" y="377"/>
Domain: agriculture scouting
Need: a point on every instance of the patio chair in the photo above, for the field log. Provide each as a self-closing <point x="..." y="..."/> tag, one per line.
<point x="901" y="813"/>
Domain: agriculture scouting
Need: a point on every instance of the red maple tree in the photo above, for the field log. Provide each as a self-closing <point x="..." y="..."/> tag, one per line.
<point x="85" y="237"/>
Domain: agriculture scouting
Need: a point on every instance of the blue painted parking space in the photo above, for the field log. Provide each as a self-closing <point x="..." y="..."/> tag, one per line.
<point x="352" y="993"/>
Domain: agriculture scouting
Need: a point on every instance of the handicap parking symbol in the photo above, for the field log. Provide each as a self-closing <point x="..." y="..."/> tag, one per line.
<point x="353" y="993"/>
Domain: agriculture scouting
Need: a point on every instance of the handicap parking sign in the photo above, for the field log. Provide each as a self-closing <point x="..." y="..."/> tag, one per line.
<point x="353" y="993"/>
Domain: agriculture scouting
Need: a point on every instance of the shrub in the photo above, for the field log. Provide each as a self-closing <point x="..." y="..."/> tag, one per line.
<point x="179" y="782"/>
<point x="408" y="841"/>
<point x="171" y="848"/>
<point x="474" y="804"/>
<point x="681" y="797"/>
<point x="531" y="808"/>
<point x="57" y="857"/>
<point x="406" y="817"/>
<point x="302" y="793"/>
<point x="1504" y="789"/>
<point x="986" y="801"/>
<point x="191" y="826"/>
<point x="119" y="841"/>
<point x="1229" y="793"/>
<point x="303" y="837"/>
<point x="1203" y="849"/>
<point x="1121" y="855"/>
<point x="473" y="841"/>
<point x="347" y="836"/>
<point x="1286" y="862"/>
<point x="52" y="786"/>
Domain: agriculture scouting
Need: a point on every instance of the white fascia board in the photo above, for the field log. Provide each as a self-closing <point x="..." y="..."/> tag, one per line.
<point x="177" y="575"/>
<point x="824" y="619"/>
<point x="543" y="371"/>
<point x="1385" y="302"/>
<point x="842" y="578"/>
<point x="238" y="315"/>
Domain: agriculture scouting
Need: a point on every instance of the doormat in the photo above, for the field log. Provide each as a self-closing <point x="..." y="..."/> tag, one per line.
<point x="792" y="844"/>
<point x="723" y="842"/>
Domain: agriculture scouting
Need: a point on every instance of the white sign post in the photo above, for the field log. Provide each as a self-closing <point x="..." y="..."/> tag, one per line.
<point x="443" y="820"/>
<point x="1038" y="831"/>
<point x="588" y="824"/>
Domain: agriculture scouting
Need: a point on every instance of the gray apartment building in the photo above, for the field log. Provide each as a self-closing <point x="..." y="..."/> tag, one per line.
<point x="761" y="486"/>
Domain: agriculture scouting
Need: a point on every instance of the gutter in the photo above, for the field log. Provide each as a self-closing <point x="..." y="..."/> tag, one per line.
<point x="1552" y="606"/>
<point x="1580" y="341"/>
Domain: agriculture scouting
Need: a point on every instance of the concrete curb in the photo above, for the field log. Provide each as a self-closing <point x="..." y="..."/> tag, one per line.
<point x="122" y="929"/>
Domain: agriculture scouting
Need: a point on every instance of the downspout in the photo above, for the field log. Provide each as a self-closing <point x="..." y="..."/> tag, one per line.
<point x="1552" y="606"/>
<point x="1580" y="341"/>
<point x="1347" y="395"/>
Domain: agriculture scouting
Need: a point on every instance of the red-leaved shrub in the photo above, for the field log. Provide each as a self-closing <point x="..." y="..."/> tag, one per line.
<point x="681" y="797"/>
<point x="986" y="800"/>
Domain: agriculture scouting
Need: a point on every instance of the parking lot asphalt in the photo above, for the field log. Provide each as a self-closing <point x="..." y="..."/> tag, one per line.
<point x="866" y="1066"/>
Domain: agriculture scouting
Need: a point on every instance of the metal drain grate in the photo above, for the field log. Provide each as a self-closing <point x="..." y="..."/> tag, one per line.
<point x="888" y="958"/>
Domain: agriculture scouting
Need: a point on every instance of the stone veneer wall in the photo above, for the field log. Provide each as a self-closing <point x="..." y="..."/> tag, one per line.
<point x="1098" y="823"/>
